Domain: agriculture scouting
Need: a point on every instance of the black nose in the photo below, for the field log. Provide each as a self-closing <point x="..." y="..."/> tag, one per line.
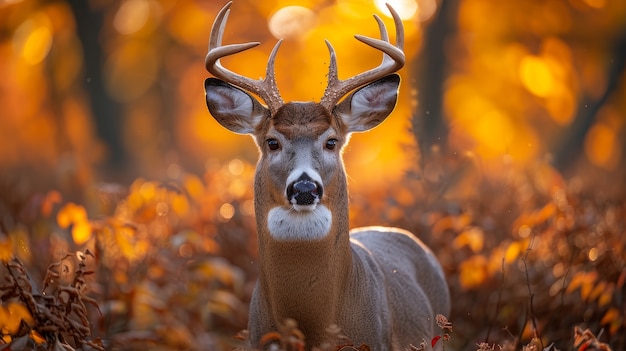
<point x="304" y="191"/>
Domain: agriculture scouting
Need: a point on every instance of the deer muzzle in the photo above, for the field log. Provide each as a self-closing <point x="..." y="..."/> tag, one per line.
<point x="304" y="192"/>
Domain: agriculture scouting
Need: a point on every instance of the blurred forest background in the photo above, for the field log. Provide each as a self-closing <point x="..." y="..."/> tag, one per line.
<point x="506" y="153"/>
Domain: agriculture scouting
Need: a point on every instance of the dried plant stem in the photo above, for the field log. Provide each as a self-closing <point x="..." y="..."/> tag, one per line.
<point x="498" y="303"/>
<point x="531" y="294"/>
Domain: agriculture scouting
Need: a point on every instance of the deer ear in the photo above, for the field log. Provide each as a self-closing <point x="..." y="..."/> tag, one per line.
<point x="232" y="107"/>
<point x="368" y="106"/>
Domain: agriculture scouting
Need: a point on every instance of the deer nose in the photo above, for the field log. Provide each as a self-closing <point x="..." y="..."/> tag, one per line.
<point x="304" y="191"/>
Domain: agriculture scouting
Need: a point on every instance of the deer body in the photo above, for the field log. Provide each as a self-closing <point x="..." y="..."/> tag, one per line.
<point x="381" y="286"/>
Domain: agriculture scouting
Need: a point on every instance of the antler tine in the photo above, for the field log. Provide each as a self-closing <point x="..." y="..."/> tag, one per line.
<point x="381" y="28"/>
<point x="393" y="60"/>
<point x="266" y="88"/>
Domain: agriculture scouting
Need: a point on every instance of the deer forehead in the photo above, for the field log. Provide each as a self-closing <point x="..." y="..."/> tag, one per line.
<point x="308" y="120"/>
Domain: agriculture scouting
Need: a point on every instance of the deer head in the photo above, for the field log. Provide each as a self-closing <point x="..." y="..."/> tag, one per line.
<point x="301" y="142"/>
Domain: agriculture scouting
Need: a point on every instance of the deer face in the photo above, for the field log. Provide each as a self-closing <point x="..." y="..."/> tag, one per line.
<point x="301" y="167"/>
<point x="302" y="151"/>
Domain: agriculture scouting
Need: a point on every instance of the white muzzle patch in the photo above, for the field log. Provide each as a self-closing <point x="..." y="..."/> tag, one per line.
<point x="288" y="224"/>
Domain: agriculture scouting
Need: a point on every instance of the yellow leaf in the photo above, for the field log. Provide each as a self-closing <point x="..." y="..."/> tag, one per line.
<point x="456" y="223"/>
<point x="52" y="198"/>
<point x="148" y="191"/>
<point x="20" y="311"/>
<point x="606" y="296"/>
<point x="473" y="272"/>
<point x="610" y="315"/>
<point x="12" y="316"/>
<point x="613" y="319"/>
<point x="513" y="251"/>
<point x="6" y="248"/>
<point x="462" y="221"/>
<point x="472" y="238"/>
<point x="442" y="225"/>
<point x="37" y="337"/>
<point x="194" y="187"/>
<point x="4" y="317"/>
<point x="585" y="281"/>
<point x="495" y="260"/>
<point x="71" y="213"/>
<point x="224" y="303"/>
<point x="128" y="245"/>
<point x="597" y="290"/>
<point x="180" y="204"/>
<point x="81" y="232"/>
<point x="547" y="212"/>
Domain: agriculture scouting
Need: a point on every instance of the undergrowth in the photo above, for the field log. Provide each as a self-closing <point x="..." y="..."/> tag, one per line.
<point x="534" y="261"/>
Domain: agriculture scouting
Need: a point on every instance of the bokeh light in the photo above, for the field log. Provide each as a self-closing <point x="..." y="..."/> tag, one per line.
<point x="33" y="39"/>
<point x="407" y="9"/>
<point x="292" y="22"/>
<point x="536" y="76"/>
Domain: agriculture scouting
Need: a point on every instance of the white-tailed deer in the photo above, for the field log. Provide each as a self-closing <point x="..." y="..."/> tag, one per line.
<point x="381" y="286"/>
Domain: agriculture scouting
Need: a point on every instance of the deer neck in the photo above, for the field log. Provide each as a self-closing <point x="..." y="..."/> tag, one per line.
<point x="302" y="279"/>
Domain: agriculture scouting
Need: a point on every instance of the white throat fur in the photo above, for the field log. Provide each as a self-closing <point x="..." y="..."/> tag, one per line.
<point x="287" y="224"/>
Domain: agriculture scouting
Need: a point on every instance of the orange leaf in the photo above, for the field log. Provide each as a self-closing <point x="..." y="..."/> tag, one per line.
<point x="17" y="310"/>
<point x="513" y="251"/>
<point x="6" y="248"/>
<point x="606" y="296"/>
<point x="588" y="284"/>
<point x="597" y="290"/>
<point x="472" y="237"/>
<point x="38" y="338"/>
<point x="443" y="224"/>
<point x="12" y="316"/>
<point x="583" y="281"/>
<point x="81" y="232"/>
<point x="613" y="319"/>
<point x="71" y="213"/>
<point x="473" y="271"/>
<point x="269" y="337"/>
<point x="52" y="197"/>
<point x="547" y="212"/>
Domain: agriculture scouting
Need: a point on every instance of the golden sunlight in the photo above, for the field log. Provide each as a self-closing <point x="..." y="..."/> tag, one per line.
<point x="292" y="22"/>
<point x="405" y="8"/>
<point x="601" y="146"/>
<point x="536" y="76"/>
<point x="33" y="39"/>
<point x="131" y="16"/>
<point x="561" y="104"/>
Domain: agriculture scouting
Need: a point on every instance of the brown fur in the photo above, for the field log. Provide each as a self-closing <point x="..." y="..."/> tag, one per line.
<point x="301" y="120"/>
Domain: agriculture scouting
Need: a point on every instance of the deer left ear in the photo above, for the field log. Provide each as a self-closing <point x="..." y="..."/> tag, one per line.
<point x="232" y="107"/>
<point x="368" y="106"/>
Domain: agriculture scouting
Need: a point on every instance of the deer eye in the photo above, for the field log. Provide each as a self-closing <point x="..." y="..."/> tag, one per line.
<point x="273" y="144"/>
<point x="331" y="144"/>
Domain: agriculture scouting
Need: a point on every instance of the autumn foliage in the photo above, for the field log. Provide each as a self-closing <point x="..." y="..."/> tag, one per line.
<point x="126" y="212"/>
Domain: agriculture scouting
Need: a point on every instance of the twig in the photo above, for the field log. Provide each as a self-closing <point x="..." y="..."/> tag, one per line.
<point x="497" y="311"/>
<point x="531" y="295"/>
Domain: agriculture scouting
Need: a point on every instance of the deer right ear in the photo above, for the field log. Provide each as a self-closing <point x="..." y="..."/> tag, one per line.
<point x="232" y="107"/>
<point x="368" y="106"/>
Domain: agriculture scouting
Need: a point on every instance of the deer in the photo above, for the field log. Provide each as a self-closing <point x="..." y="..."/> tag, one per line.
<point x="381" y="286"/>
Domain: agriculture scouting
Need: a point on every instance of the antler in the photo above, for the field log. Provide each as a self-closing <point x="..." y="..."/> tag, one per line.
<point x="393" y="60"/>
<point x="265" y="88"/>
